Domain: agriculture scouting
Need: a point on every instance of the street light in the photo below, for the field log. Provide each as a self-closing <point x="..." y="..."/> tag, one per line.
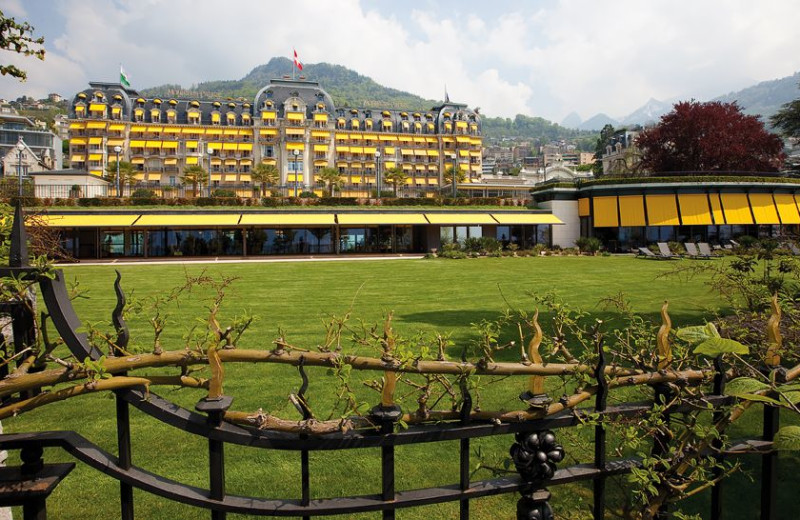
<point x="378" y="179"/>
<point x="117" y="150"/>
<point x="455" y="173"/>
<point x="20" y="149"/>
<point x="296" y="154"/>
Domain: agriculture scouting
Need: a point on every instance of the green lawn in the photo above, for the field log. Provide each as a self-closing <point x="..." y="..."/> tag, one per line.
<point x="425" y="295"/>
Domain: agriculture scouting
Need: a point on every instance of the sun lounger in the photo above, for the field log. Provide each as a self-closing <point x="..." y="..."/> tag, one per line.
<point x="691" y="250"/>
<point x="705" y="250"/>
<point x="663" y="248"/>
<point x="646" y="253"/>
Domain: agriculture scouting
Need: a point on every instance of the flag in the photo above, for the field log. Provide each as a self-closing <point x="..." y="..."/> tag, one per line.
<point x="123" y="77"/>
<point x="297" y="61"/>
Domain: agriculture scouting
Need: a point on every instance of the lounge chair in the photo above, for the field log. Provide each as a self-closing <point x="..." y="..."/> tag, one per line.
<point x="663" y="248"/>
<point x="705" y="249"/>
<point x="646" y="253"/>
<point x="691" y="250"/>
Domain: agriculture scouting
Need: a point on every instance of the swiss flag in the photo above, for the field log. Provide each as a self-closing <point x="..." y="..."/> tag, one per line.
<point x="297" y="61"/>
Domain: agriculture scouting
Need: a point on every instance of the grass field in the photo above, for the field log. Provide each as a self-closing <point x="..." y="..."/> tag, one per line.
<point x="425" y="295"/>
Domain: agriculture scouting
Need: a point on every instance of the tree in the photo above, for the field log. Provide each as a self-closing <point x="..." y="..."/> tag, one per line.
<point x="331" y="178"/>
<point x="461" y="176"/>
<point x="127" y="173"/>
<point x="395" y="176"/>
<point x="787" y="119"/>
<point x="195" y="175"/>
<point x="266" y="174"/>
<point x="600" y="148"/>
<point x="708" y="137"/>
<point x="18" y="37"/>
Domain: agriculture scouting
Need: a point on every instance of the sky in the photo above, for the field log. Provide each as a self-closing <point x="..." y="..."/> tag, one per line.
<point x="544" y="58"/>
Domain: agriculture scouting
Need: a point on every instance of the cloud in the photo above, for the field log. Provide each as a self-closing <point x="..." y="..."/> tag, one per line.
<point x="544" y="59"/>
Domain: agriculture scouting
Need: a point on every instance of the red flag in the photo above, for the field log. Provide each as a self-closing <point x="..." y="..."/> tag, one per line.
<point x="297" y="61"/>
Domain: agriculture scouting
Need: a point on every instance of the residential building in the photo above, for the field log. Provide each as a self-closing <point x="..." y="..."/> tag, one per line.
<point x="622" y="155"/>
<point x="41" y="149"/>
<point x="293" y="125"/>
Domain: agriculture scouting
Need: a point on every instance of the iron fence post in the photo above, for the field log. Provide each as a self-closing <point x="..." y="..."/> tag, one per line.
<point x="124" y="447"/>
<point x="215" y="408"/>
<point x="601" y="400"/>
<point x="535" y="456"/>
<point x="466" y="409"/>
<point x="716" y="444"/>
<point x="386" y="417"/>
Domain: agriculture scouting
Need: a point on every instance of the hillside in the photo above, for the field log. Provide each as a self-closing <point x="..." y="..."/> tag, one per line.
<point x="765" y="98"/>
<point x="347" y="87"/>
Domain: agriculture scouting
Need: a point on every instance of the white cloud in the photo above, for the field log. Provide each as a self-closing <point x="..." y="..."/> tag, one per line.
<point x="507" y="57"/>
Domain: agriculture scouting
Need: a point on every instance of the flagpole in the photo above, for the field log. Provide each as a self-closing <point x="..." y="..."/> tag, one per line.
<point x="294" y="63"/>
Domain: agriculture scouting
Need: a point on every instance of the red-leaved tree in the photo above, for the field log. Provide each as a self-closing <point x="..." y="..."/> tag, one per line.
<point x="709" y="137"/>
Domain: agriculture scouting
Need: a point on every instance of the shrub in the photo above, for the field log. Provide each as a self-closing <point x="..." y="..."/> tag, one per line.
<point x="221" y="193"/>
<point x="589" y="245"/>
<point x="308" y="195"/>
<point x="143" y="193"/>
<point x="338" y="201"/>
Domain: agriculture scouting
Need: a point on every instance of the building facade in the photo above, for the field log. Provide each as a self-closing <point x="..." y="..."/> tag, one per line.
<point x="41" y="150"/>
<point x="293" y="125"/>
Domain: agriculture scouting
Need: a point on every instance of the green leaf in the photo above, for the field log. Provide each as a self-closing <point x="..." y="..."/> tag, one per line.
<point x="698" y="334"/>
<point x="758" y="397"/>
<point x="713" y="347"/>
<point x="744" y="385"/>
<point x="693" y="335"/>
<point x="793" y="397"/>
<point x="788" y="438"/>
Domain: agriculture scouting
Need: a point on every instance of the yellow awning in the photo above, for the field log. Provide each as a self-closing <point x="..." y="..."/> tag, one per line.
<point x="526" y="218"/>
<point x="78" y="158"/>
<point x="320" y="117"/>
<point x="371" y="137"/>
<point x="294" y="177"/>
<point x="320" y="147"/>
<point x="216" y="160"/>
<point x="77" y="126"/>
<point x="736" y="208"/>
<point x="103" y="220"/>
<point x="269" y="161"/>
<point x="191" y="160"/>
<point x="245" y="177"/>
<point x="230" y="162"/>
<point x="216" y="176"/>
<point x="433" y="181"/>
<point x="433" y="153"/>
<point x="787" y="209"/>
<point x="97" y="107"/>
<point x="245" y="147"/>
<point x="387" y="138"/>
<point x="287" y="219"/>
<point x="137" y="128"/>
<point x="230" y="131"/>
<point x="183" y="220"/>
<point x="631" y="210"/>
<point x="154" y="129"/>
<point x="453" y="218"/>
<point x="583" y="208"/>
<point x="356" y="149"/>
<point x="295" y="146"/>
<point x="153" y="144"/>
<point x="320" y="162"/>
<point x="230" y="177"/>
<point x="137" y="160"/>
<point x="172" y="130"/>
<point x="95" y="125"/>
<point x="295" y="116"/>
<point x="343" y="149"/>
<point x="389" y="164"/>
<point x="694" y="209"/>
<point x="405" y="139"/>
<point x="171" y="160"/>
<point x="764" y="208"/>
<point x="215" y="118"/>
<point x="115" y="142"/>
<point x="246" y="162"/>
<point x="214" y="131"/>
<point x="268" y="131"/>
<point x="367" y="218"/>
<point x="95" y="157"/>
<point x="267" y="114"/>
<point x="229" y="146"/>
<point x="77" y="140"/>
<point x="113" y="127"/>
<point x="295" y="131"/>
<point x="356" y="137"/>
<point x="716" y="208"/>
<point x="170" y="145"/>
<point x="317" y="133"/>
<point x="605" y="212"/>
<point x="95" y="140"/>
<point x="198" y="131"/>
<point x="662" y="210"/>
<point x="460" y="139"/>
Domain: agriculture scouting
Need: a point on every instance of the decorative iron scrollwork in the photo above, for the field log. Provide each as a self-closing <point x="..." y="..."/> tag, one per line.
<point x="535" y="455"/>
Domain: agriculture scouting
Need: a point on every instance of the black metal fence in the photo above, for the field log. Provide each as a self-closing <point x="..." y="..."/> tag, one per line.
<point x="536" y="451"/>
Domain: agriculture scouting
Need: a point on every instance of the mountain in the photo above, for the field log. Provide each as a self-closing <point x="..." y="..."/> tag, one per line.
<point x="347" y="87"/>
<point x="648" y="113"/>
<point x="573" y="120"/>
<point x="765" y="98"/>
<point x="597" y="122"/>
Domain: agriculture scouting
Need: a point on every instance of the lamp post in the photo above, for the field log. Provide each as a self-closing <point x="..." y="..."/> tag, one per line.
<point x="117" y="150"/>
<point x="296" y="154"/>
<point x="455" y="173"/>
<point x="208" y="184"/>
<point x="378" y="179"/>
<point x="20" y="148"/>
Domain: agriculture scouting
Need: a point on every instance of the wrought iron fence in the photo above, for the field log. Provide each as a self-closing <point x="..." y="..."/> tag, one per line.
<point x="536" y="452"/>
